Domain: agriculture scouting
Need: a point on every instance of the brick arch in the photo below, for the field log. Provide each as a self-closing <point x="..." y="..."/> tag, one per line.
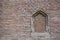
<point x="39" y="12"/>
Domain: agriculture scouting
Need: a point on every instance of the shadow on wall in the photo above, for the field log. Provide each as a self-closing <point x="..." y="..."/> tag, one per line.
<point x="2" y="31"/>
<point x="1" y="27"/>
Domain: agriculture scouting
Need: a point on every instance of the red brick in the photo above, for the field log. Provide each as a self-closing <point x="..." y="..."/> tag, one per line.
<point x="15" y="39"/>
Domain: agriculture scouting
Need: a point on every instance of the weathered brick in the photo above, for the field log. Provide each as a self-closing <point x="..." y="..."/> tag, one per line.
<point x="16" y="18"/>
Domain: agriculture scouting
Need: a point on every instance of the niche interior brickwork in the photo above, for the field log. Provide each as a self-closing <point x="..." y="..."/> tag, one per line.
<point x="40" y="21"/>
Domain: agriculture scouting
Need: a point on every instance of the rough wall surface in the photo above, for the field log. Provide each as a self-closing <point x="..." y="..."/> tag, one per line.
<point x="15" y="18"/>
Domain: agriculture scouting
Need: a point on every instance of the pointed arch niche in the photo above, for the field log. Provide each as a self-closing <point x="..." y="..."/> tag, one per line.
<point x="39" y="22"/>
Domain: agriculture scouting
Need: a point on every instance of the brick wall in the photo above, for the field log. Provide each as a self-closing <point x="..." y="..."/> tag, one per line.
<point x="15" y="22"/>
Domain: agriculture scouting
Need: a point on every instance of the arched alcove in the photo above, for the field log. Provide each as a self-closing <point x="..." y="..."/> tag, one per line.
<point x="40" y="20"/>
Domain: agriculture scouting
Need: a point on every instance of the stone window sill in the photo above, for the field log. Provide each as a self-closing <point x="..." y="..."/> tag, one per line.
<point x="42" y="35"/>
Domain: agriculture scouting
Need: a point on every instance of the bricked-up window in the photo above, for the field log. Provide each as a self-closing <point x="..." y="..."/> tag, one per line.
<point x="40" y="21"/>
